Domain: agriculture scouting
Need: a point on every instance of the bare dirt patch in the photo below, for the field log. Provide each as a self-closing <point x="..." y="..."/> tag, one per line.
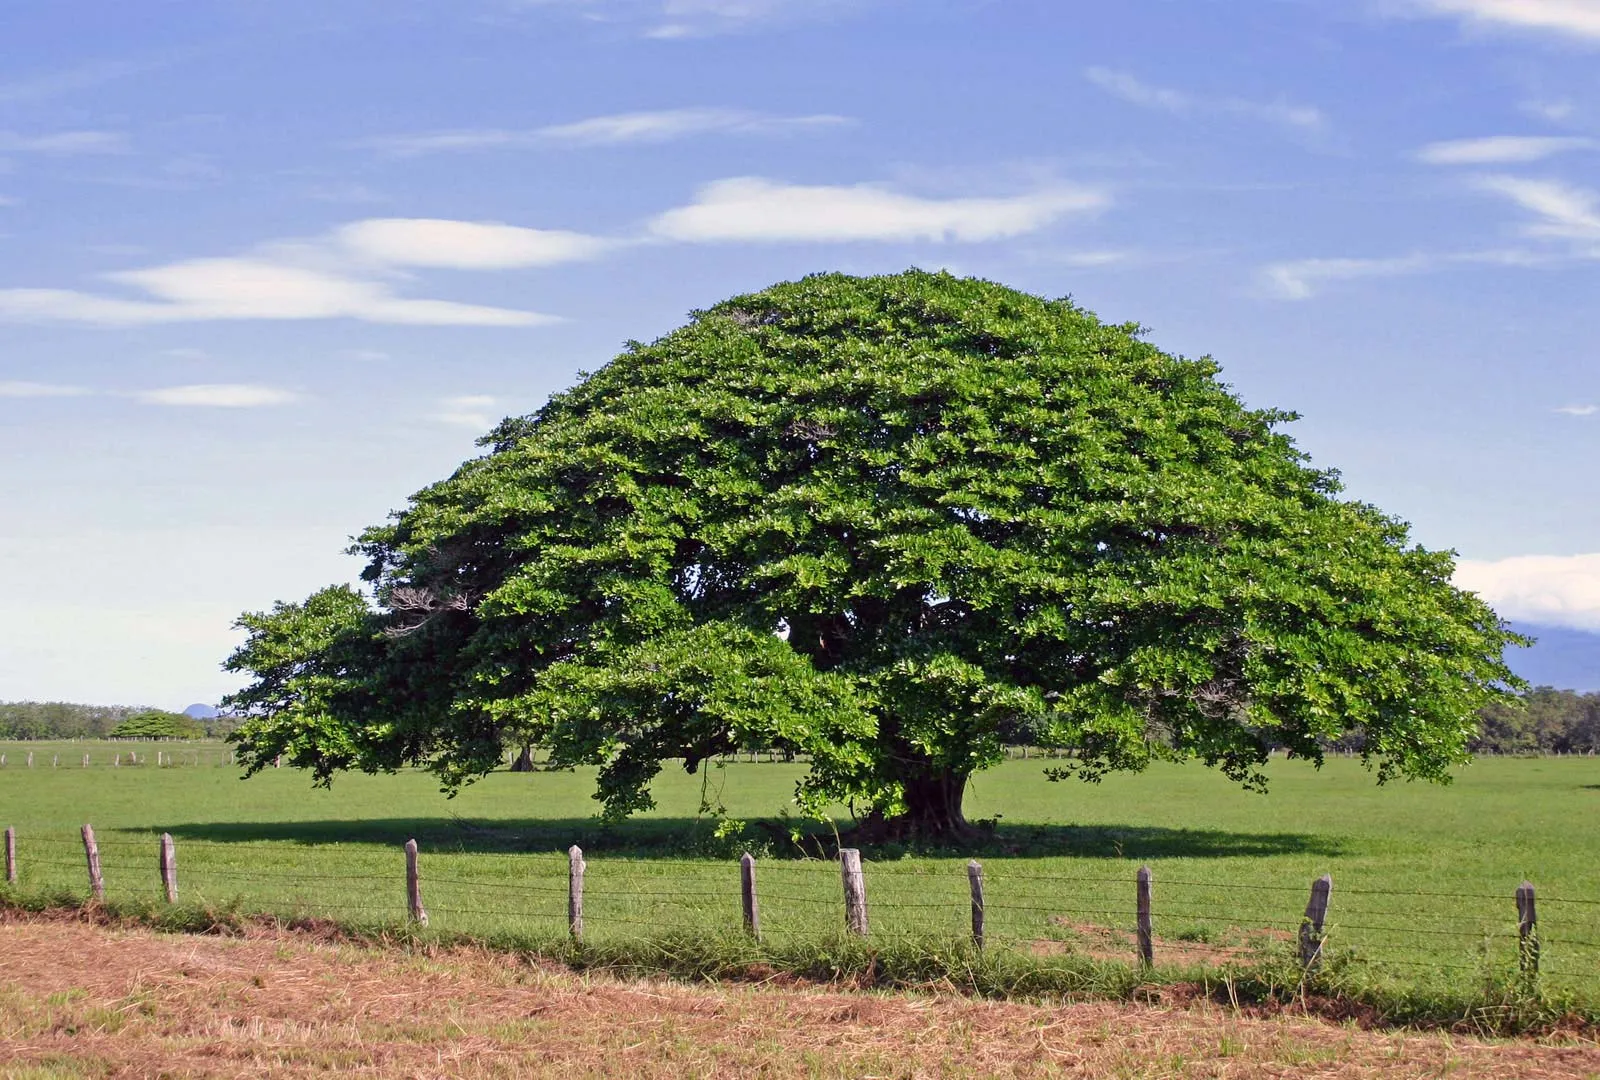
<point x="84" y="1000"/>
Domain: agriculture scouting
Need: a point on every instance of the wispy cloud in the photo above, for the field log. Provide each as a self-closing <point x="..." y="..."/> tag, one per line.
<point x="1577" y="19"/>
<point x="345" y="274"/>
<point x="1566" y="229"/>
<point x="658" y="126"/>
<point x="39" y="390"/>
<point x="465" y="245"/>
<point x="1300" y="279"/>
<point x="675" y="19"/>
<point x="1577" y="410"/>
<point x="1564" y="212"/>
<point x="1556" y="590"/>
<point x="752" y="209"/>
<point x="55" y="83"/>
<point x="219" y="396"/>
<point x="468" y="410"/>
<point x="1135" y="91"/>
<point x="1501" y="149"/>
<point x="64" y="143"/>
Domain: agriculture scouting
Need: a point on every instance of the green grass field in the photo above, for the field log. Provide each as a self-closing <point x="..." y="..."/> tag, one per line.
<point x="1424" y="876"/>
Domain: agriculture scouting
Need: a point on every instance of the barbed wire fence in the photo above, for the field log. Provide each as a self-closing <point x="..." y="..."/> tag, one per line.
<point x="1146" y="919"/>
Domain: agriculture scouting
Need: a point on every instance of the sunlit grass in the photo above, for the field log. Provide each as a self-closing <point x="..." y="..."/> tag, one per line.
<point x="1424" y="876"/>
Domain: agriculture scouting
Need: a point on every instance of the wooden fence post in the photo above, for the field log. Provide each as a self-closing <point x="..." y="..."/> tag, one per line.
<point x="86" y="761"/>
<point x="975" y="883"/>
<point x="575" y="868"/>
<point x="91" y="850"/>
<point x="855" y="891"/>
<point x="1527" y="929"/>
<point x="747" y="895"/>
<point x="419" y="914"/>
<point x="169" y="867"/>
<point x="1311" y="925"/>
<point x="1147" y="951"/>
<point x="11" y="854"/>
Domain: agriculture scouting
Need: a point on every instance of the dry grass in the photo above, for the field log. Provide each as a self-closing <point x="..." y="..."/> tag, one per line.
<point x="77" y="999"/>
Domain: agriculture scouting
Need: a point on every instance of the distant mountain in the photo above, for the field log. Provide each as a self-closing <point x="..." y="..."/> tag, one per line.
<point x="202" y="712"/>
<point x="1562" y="658"/>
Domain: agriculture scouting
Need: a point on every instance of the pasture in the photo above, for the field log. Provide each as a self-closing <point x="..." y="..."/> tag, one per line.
<point x="1424" y="876"/>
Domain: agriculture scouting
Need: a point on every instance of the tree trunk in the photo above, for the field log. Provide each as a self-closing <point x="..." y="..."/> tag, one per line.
<point x="524" y="762"/>
<point x="933" y="807"/>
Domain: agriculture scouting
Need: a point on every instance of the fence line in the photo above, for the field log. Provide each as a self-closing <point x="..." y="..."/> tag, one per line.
<point x="977" y="895"/>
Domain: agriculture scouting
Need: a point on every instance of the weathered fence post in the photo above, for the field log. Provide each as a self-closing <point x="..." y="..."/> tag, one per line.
<point x="30" y="759"/>
<point x="747" y="895"/>
<point x="575" y="868"/>
<point x="975" y="883"/>
<point x="855" y="891"/>
<point x="11" y="854"/>
<point x="419" y="915"/>
<point x="1147" y="951"/>
<point x="1527" y="929"/>
<point x="91" y="850"/>
<point x="86" y="761"/>
<point x="169" y="867"/>
<point x="1311" y="925"/>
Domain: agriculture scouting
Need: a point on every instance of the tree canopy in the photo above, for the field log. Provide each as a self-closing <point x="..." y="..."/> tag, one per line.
<point x="159" y="724"/>
<point x="888" y="523"/>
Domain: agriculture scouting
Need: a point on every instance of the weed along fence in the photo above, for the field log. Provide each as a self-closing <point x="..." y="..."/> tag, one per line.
<point x="1145" y="917"/>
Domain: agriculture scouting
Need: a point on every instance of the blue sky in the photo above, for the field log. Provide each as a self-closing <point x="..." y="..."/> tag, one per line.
<point x="267" y="268"/>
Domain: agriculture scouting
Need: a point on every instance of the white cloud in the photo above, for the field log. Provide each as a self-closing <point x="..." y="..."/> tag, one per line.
<point x="39" y="390"/>
<point x="468" y="410"/>
<point x="1555" y="590"/>
<point x="1577" y="410"/>
<point x="343" y="275"/>
<point x="658" y="126"/>
<point x="1137" y="92"/>
<point x="465" y="245"/>
<point x="1501" y="149"/>
<point x="218" y="396"/>
<point x="1565" y="212"/>
<point x="64" y="143"/>
<point x="1570" y="18"/>
<point x="1299" y="279"/>
<point x="754" y="209"/>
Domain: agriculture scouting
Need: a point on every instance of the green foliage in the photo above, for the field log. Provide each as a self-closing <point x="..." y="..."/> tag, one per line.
<point x="157" y="724"/>
<point x="889" y="522"/>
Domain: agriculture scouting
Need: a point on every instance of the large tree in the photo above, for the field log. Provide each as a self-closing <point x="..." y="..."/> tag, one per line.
<point x="887" y="522"/>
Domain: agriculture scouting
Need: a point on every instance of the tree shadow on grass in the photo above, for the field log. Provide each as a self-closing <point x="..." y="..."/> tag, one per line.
<point x="657" y="838"/>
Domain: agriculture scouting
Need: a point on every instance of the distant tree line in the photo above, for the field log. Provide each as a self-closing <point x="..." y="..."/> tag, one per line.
<point x="1544" y="720"/>
<point x="65" y="720"/>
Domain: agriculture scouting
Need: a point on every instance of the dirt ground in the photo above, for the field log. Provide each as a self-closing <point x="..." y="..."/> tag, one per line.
<point x="82" y="1000"/>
